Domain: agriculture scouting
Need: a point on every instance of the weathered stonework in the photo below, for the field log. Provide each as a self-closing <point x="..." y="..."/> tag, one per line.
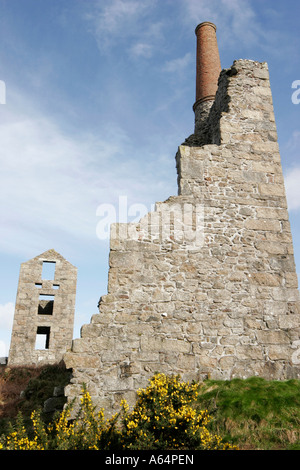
<point x="45" y="309"/>
<point x="205" y="285"/>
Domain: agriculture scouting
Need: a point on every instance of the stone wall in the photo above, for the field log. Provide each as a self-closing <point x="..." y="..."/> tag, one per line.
<point x="51" y="320"/>
<point x="204" y="286"/>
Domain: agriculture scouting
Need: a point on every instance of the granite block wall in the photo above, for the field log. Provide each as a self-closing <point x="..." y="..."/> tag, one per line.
<point x="206" y="285"/>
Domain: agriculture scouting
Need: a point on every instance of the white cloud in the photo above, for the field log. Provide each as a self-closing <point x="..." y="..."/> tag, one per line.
<point x="120" y="23"/>
<point x="240" y="24"/>
<point x="141" y="50"/>
<point x="117" y="16"/>
<point x="47" y="177"/>
<point x="52" y="181"/>
<point x="292" y="175"/>
<point x="6" y="322"/>
<point x="293" y="144"/>
<point x="292" y="178"/>
<point x="235" y="19"/>
<point x="238" y="11"/>
<point x="3" y="349"/>
<point x="6" y="316"/>
<point x="178" y="65"/>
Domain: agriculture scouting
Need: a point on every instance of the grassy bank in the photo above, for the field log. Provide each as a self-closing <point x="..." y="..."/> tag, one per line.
<point x="254" y="413"/>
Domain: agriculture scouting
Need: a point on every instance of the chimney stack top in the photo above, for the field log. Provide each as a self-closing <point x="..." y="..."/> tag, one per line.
<point x="205" y="23"/>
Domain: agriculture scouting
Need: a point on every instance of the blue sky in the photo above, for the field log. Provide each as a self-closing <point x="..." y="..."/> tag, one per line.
<point x="99" y="95"/>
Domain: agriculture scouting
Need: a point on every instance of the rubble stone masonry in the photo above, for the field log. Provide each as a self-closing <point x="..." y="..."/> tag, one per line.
<point x="44" y="311"/>
<point x="206" y="285"/>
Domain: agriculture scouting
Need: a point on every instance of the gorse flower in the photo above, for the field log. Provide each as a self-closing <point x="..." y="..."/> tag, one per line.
<point x="165" y="416"/>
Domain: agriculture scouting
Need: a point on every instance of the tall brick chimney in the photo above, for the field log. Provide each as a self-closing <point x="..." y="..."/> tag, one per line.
<point x="207" y="71"/>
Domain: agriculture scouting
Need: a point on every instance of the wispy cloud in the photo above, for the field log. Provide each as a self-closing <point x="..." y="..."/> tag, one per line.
<point x="53" y="181"/>
<point x="118" y="15"/>
<point x="6" y="321"/>
<point x="292" y="175"/>
<point x="292" y="178"/>
<point x="179" y="64"/>
<point x="6" y="315"/>
<point x="141" y="50"/>
<point x="128" y="21"/>
<point x="293" y="145"/>
<point x="236" y="20"/>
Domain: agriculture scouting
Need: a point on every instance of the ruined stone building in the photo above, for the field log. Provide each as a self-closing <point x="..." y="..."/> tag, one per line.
<point x="205" y="285"/>
<point x="44" y="312"/>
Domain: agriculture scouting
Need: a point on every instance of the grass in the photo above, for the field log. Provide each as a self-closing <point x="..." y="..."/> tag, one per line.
<point x="254" y="413"/>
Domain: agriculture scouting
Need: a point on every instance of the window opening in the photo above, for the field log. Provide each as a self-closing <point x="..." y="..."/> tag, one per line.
<point x="48" y="270"/>
<point x="46" y="303"/>
<point x="38" y="285"/>
<point x="42" y="337"/>
<point x="55" y="286"/>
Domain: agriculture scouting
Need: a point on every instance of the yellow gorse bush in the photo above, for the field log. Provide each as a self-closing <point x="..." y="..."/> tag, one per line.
<point x="87" y="431"/>
<point x="165" y="416"/>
